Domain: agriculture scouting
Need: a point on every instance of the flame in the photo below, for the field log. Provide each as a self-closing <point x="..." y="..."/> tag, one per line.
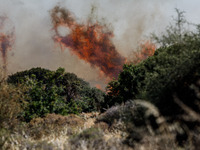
<point x="91" y="42"/>
<point x="6" y="41"/>
<point x="146" y="49"/>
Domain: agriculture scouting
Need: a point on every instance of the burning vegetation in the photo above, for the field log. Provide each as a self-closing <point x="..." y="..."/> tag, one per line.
<point x="90" y="42"/>
<point x="6" y="41"/>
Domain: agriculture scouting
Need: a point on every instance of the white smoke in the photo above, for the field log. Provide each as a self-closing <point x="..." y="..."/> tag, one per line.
<point x="131" y="21"/>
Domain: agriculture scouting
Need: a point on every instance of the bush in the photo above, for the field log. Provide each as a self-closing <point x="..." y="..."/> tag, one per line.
<point x="171" y="70"/>
<point x="56" y="92"/>
<point x="170" y="80"/>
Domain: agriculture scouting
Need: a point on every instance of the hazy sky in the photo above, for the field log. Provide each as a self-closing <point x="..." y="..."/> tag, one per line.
<point x="130" y="20"/>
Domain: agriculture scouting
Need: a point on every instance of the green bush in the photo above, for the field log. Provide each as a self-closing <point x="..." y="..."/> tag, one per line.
<point x="44" y="99"/>
<point x="56" y="92"/>
<point x="172" y="70"/>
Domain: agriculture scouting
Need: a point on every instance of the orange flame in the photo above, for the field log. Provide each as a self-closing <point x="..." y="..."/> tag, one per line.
<point x="90" y="42"/>
<point x="6" y="41"/>
<point x="146" y="49"/>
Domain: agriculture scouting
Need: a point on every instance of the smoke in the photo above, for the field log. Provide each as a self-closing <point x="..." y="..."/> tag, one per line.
<point x="130" y="21"/>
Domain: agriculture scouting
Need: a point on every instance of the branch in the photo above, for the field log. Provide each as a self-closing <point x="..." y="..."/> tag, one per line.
<point x="194" y="115"/>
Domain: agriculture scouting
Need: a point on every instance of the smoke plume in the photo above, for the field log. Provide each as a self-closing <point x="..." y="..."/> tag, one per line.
<point x="129" y="20"/>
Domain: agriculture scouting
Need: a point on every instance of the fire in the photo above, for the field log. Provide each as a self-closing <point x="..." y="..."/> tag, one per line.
<point x="91" y="42"/>
<point x="146" y="49"/>
<point x="6" y="41"/>
<point x="98" y="86"/>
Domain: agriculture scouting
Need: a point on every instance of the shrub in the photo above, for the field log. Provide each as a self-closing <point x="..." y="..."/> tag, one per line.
<point x="56" y="92"/>
<point x="53" y="124"/>
<point x="135" y="111"/>
<point x="137" y="118"/>
<point x="171" y="70"/>
<point x="174" y="68"/>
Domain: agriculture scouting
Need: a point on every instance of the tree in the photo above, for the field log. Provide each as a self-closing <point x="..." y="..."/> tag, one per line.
<point x="171" y="70"/>
<point x="176" y="32"/>
<point x="56" y="92"/>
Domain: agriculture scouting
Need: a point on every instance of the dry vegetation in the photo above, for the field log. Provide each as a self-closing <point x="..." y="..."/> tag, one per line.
<point x="110" y="130"/>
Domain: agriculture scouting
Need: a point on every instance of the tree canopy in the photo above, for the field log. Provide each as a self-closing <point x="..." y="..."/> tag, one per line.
<point x="172" y="70"/>
<point x="56" y="92"/>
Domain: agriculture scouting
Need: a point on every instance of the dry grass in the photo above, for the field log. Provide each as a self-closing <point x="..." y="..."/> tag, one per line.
<point x="58" y="120"/>
<point x="47" y="133"/>
<point x="60" y="132"/>
<point x="54" y="125"/>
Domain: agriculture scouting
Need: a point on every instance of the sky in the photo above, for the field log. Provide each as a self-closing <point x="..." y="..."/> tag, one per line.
<point x="130" y="20"/>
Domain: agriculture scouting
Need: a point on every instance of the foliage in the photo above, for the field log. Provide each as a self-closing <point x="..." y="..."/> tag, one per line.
<point x="171" y="70"/>
<point x="56" y="92"/>
<point x="170" y="79"/>
<point x="42" y="100"/>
